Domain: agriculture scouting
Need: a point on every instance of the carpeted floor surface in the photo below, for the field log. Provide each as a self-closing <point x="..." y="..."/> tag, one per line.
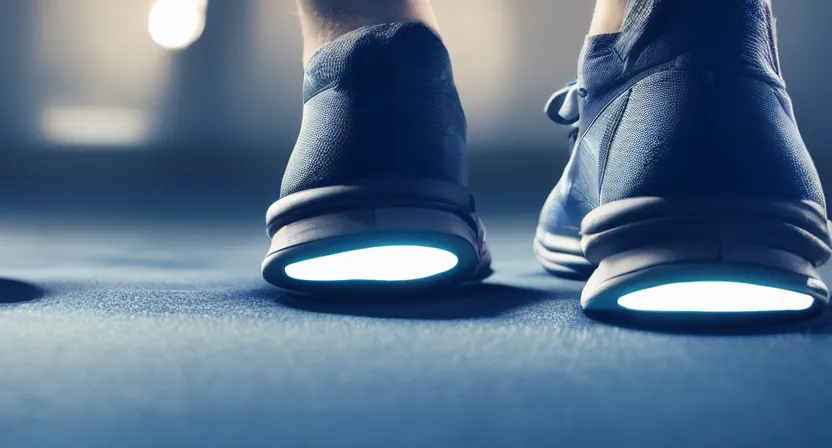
<point x="150" y="326"/>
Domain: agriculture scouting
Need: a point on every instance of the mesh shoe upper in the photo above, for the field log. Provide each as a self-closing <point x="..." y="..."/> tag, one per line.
<point x="379" y="102"/>
<point x="687" y="101"/>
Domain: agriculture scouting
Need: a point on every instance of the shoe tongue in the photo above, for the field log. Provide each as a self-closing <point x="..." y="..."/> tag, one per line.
<point x="718" y="33"/>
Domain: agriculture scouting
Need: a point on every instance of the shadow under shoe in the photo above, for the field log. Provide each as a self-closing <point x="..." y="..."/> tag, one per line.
<point x="14" y="292"/>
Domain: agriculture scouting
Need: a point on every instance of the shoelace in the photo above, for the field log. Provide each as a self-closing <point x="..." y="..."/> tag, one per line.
<point x="563" y="108"/>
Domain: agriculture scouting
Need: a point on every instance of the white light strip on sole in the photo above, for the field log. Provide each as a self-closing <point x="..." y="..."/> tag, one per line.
<point x="715" y="297"/>
<point x="383" y="263"/>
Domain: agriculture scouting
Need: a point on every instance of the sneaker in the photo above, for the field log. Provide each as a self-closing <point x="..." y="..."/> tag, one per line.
<point x="689" y="188"/>
<point x="375" y="196"/>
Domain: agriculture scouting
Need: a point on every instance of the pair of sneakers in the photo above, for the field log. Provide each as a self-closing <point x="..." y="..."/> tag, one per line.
<point x="688" y="188"/>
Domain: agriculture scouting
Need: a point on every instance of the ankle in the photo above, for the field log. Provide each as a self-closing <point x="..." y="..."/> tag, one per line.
<point x="608" y="17"/>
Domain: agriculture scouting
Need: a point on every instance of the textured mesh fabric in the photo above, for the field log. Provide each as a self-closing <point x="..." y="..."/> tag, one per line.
<point x="693" y="133"/>
<point x="708" y="113"/>
<point x="379" y="102"/>
<point x="687" y="101"/>
<point x="577" y="192"/>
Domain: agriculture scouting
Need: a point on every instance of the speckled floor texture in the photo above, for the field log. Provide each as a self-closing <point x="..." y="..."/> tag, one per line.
<point x="140" y="326"/>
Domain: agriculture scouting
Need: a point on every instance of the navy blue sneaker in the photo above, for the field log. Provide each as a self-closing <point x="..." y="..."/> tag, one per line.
<point x="375" y="198"/>
<point x="689" y="189"/>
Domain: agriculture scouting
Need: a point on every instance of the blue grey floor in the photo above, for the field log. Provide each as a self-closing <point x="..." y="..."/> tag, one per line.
<point x="142" y="328"/>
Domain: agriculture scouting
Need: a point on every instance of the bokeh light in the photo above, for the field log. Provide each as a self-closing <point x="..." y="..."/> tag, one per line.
<point x="176" y="24"/>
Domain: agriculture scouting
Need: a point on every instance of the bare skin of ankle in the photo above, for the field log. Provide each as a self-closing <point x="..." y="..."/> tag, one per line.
<point x="608" y="17"/>
<point x="323" y="21"/>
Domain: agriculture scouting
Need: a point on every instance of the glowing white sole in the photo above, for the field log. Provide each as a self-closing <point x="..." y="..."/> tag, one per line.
<point x="384" y="263"/>
<point x="715" y="297"/>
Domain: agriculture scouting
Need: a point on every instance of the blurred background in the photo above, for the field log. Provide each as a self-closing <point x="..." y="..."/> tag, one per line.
<point x="112" y="98"/>
<point x="141" y="142"/>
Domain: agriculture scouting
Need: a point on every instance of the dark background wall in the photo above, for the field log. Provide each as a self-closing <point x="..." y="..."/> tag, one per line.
<point x="226" y="110"/>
